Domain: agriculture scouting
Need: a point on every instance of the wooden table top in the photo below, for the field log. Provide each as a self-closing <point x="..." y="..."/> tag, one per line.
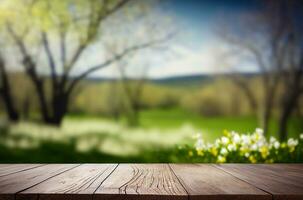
<point x="151" y="181"/>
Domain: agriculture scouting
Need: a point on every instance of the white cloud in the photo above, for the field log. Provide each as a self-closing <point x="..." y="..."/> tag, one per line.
<point x="189" y="61"/>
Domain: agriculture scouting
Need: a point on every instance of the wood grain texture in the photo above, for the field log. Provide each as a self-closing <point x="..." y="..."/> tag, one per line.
<point x="281" y="180"/>
<point x="204" y="181"/>
<point x="13" y="183"/>
<point x="141" y="181"/>
<point x="151" y="181"/>
<point x="78" y="183"/>
<point x="6" y="169"/>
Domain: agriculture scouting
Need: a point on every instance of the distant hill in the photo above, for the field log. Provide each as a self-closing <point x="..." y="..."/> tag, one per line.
<point x="186" y="80"/>
<point x="175" y="81"/>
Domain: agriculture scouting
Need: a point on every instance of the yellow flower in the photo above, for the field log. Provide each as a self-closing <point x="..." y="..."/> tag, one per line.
<point x="244" y="150"/>
<point x="190" y="153"/>
<point x="264" y="151"/>
<point x="221" y="159"/>
<point x="214" y="151"/>
<point x="252" y="159"/>
<point x="225" y="140"/>
<point x="200" y="152"/>
<point x="226" y="133"/>
<point x="291" y="149"/>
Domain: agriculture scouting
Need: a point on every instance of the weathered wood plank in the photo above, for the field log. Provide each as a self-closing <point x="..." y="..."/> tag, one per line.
<point x="281" y="180"/>
<point x="13" y="183"/>
<point x="78" y="183"/>
<point x="6" y="169"/>
<point x="203" y="181"/>
<point x="141" y="181"/>
<point x="151" y="181"/>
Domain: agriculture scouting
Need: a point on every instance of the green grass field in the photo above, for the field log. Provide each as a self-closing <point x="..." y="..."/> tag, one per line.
<point x="211" y="127"/>
<point x="98" y="139"/>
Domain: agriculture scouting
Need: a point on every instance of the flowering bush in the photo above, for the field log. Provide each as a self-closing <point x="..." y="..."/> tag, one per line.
<point x="243" y="148"/>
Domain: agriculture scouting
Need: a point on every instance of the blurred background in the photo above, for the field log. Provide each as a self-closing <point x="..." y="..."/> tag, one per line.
<point x="134" y="81"/>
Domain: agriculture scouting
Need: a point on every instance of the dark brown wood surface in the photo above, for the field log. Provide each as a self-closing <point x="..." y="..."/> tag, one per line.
<point x="7" y="169"/>
<point x="151" y="181"/>
<point x="147" y="181"/>
<point x="19" y="181"/>
<point x="84" y="180"/>
<point x="283" y="181"/>
<point x="203" y="181"/>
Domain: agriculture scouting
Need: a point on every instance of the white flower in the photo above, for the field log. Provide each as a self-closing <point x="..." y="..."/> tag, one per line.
<point x="246" y="154"/>
<point x="223" y="151"/>
<point x="261" y="143"/>
<point x="272" y="140"/>
<point x="245" y="139"/>
<point x="277" y="145"/>
<point x="254" y="147"/>
<point x="236" y="138"/>
<point x="231" y="147"/>
<point x="292" y="142"/>
<point x="259" y="131"/>
<point x="200" y="144"/>
<point x="233" y="132"/>
<point x="225" y="140"/>
<point x="209" y="145"/>
<point x="301" y="136"/>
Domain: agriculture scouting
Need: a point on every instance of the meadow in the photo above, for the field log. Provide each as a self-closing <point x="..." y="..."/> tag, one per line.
<point x="97" y="127"/>
<point x="84" y="138"/>
<point x="103" y="81"/>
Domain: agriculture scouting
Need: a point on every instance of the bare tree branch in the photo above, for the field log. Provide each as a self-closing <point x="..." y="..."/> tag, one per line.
<point x="50" y="58"/>
<point x="92" y="31"/>
<point x="115" y="58"/>
<point x="62" y="36"/>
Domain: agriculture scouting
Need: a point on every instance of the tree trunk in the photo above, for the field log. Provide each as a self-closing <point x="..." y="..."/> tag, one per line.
<point x="289" y="103"/>
<point x="243" y="85"/>
<point x="134" y="115"/>
<point x="42" y="101"/>
<point x="26" y="108"/>
<point x="267" y="110"/>
<point x="283" y="121"/>
<point x="265" y="118"/>
<point x="11" y="111"/>
<point x="59" y="108"/>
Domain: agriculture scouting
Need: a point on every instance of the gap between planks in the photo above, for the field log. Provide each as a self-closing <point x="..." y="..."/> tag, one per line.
<point x="15" y="195"/>
<point x="220" y="168"/>
<point x="13" y="171"/>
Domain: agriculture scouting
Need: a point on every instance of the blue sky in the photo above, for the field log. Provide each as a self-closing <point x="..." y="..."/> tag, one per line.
<point x="196" y="41"/>
<point x="192" y="52"/>
<point x="198" y="20"/>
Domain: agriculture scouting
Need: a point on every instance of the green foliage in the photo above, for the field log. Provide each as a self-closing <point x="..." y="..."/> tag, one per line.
<point x="95" y="139"/>
<point x="108" y="99"/>
<point x="243" y="148"/>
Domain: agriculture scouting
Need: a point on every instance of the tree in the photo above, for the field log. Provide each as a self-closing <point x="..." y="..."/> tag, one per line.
<point x="132" y="85"/>
<point x="5" y="92"/>
<point x="75" y="27"/>
<point x="271" y="39"/>
<point x="133" y="89"/>
<point x="243" y="84"/>
<point x="291" y="63"/>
